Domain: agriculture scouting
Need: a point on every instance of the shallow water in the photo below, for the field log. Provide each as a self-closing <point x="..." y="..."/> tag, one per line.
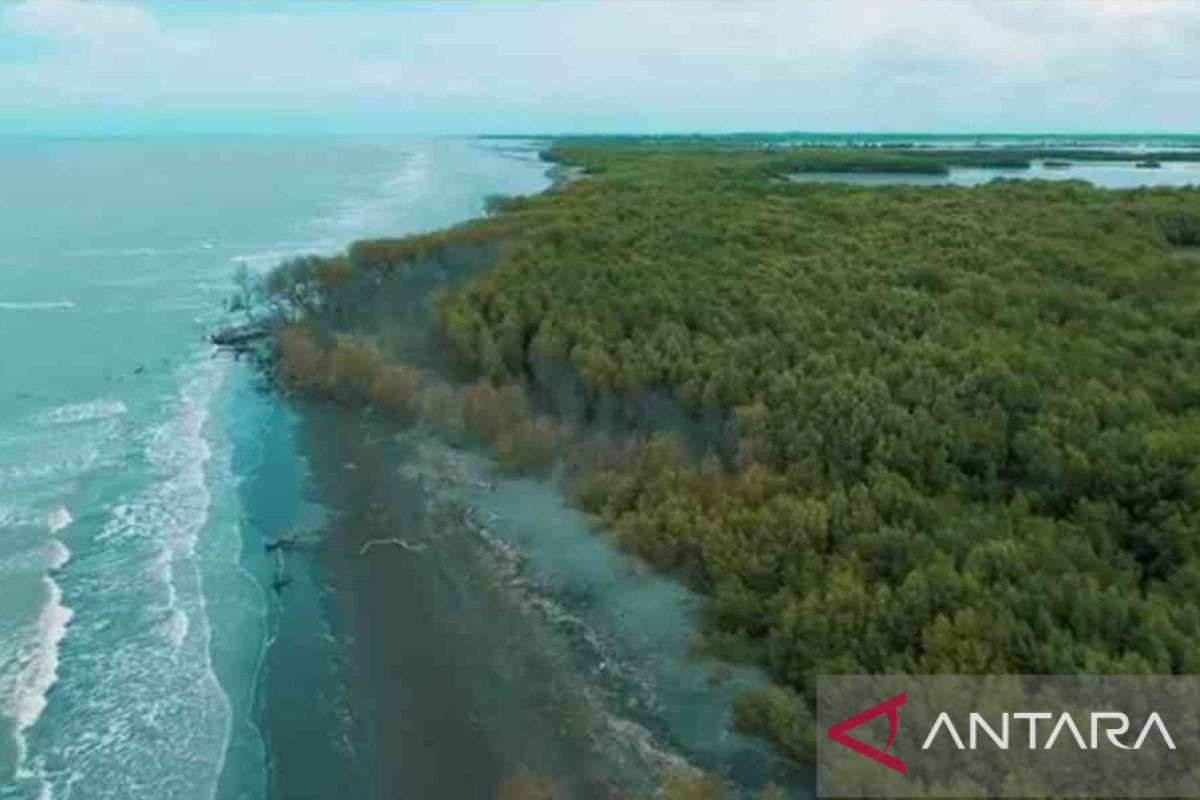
<point x="1107" y="175"/>
<point x="494" y="630"/>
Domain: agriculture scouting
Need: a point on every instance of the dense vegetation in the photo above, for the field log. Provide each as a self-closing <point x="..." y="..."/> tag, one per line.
<point x="961" y="426"/>
<point x="832" y="153"/>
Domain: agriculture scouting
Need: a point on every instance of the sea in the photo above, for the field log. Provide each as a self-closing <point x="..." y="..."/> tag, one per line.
<point x="131" y="631"/>
<point x="152" y="647"/>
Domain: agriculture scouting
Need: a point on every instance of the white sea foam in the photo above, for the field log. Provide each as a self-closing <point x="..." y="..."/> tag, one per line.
<point x="71" y="464"/>
<point x="377" y="213"/>
<point x="108" y="252"/>
<point x="37" y="305"/>
<point x="199" y="247"/>
<point x="58" y="519"/>
<point x="58" y="556"/>
<point x="353" y="218"/>
<point x="43" y="462"/>
<point x="104" y="408"/>
<point x="176" y="510"/>
<point x="38" y="661"/>
<point x="32" y="668"/>
<point x="118" y="251"/>
<point x="150" y="695"/>
<point x="175" y="627"/>
<point x="263" y="260"/>
<point x="26" y="561"/>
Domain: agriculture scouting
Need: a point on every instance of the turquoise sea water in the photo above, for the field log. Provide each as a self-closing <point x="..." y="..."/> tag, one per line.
<point x="132" y="621"/>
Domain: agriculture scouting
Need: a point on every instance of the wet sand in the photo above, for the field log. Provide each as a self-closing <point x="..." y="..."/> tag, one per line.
<point x="457" y="683"/>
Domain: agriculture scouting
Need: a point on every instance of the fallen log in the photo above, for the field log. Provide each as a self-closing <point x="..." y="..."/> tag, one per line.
<point x="239" y="336"/>
<point x="407" y="545"/>
<point x="290" y="544"/>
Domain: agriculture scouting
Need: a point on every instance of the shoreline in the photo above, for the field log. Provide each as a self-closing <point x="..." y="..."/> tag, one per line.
<point x="460" y="688"/>
<point x="433" y="627"/>
<point x="488" y="632"/>
<point x="334" y="656"/>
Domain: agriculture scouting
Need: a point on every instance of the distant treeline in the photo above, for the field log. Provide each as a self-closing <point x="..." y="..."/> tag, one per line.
<point x="1126" y="144"/>
<point x="868" y="157"/>
<point x="966" y="420"/>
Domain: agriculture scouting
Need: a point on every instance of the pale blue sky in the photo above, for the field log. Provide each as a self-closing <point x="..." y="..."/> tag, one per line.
<point x="654" y="65"/>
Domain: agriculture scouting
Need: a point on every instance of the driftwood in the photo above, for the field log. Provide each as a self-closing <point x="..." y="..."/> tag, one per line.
<point x="289" y="544"/>
<point x="238" y="337"/>
<point x="412" y="547"/>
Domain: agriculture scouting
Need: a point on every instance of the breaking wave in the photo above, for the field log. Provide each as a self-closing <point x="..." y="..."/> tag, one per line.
<point x="81" y="412"/>
<point x="37" y="305"/>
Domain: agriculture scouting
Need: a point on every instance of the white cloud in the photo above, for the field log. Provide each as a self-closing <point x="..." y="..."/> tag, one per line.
<point x="101" y="25"/>
<point x="930" y="64"/>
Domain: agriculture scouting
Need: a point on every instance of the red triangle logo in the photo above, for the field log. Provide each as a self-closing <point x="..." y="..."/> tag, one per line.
<point x="838" y="732"/>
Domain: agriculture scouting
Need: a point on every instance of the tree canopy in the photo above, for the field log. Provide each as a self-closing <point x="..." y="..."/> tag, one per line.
<point x="961" y="425"/>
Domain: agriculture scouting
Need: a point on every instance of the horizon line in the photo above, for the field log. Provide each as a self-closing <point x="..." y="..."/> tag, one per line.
<point x="707" y="134"/>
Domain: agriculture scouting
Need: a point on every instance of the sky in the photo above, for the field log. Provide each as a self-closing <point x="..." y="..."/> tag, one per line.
<point x="85" y="67"/>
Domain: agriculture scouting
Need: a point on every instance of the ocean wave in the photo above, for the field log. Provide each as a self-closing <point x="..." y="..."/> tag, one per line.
<point x="58" y="519"/>
<point x="58" y="557"/>
<point x="118" y="251"/>
<point x="30" y="657"/>
<point x="37" y="665"/>
<point x="125" y="252"/>
<point x="68" y="466"/>
<point x="263" y="260"/>
<point x="175" y="627"/>
<point x="351" y="219"/>
<point x="377" y="213"/>
<point x="44" y="461"/>
<point x="149" y="694"/>
<point x="103" y="408"/>
<point x="25" y="560"/>
<point x="173" y="621"/>
<point x="37" y="305"/>
<point x="175" y="510"/>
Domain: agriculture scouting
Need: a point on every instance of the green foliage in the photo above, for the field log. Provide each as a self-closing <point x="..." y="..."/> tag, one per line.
<point x="347" y="369"/>
<point x="690" y="786"/>
<point x="526" y="786"/>
<point x="300" y="361"/>
<point x="395" y="390"/>
<point x="388" y="255"/>
<point x="502" y="418"/>
<point x="779" y="715"/>
<point x="1180" y="228"/>
<point x="352" y="371"/>
<point x="294" y="288"/>
<point x="966" y="420"/>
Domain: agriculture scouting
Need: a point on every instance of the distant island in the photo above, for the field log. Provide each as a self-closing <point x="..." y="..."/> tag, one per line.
<point x="885" y="429"/>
